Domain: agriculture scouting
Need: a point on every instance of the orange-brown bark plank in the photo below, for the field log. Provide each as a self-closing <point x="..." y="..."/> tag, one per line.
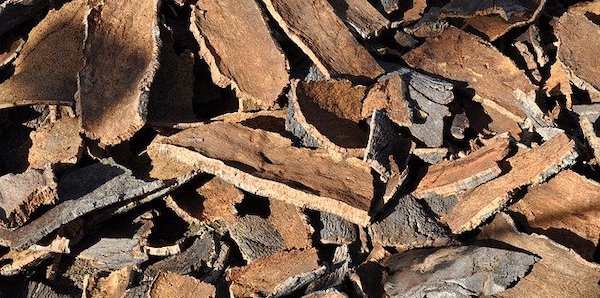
<point x="455" y="176"/>
<point x="291" y="223"/>
<point x="236" y="42"/>
<point x="113" y="96"/>
<point x="320" y="33"/>
<point x="361" y="17"/>
<point x="565" y="209"/>
<point x="389" y="93"/>
<point x="457" y="55"/>
<point x="56" y="143"/>
<point x="46" y="69"/>
<point x="578" y="36"/>
<point x="559" y="273"/>
<point x="22" y="194"/>
<point x="266" y="164"/>
<point x="169" y="284"/>
<point x="276" y="275"/>
<point x="533" y="166"/>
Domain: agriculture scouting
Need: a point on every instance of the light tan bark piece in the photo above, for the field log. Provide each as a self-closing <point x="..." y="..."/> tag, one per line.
<point x="46" y="69"/>
<point x="578" y="37"/>
<point x="455" y="176"/>
<point x="533" y="166"/>
<point x="22" y="194"/>
<point x="276" y="275"/>
<point x="559" y="273"/>
<point x="175" y="285"/>
<point x="568" y="203"/>
<point x="236" y="42"/>
<point x="361" y="17"/>
<point x="112" y="97"/>
<point x="461" y="56"/>
<point x="266" y="164"/>
<point x="113" y="285"/>
<point x="319" y="32"/>
<point x="291" y="223"/>
<point x="57" y="142"/>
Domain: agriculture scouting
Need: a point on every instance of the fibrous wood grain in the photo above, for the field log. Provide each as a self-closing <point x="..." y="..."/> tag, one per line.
<point x="361" y="17"/>
<point x="56" y="143"/>
<point x="389" y="93"/>
<point x="336" y="230"/>
<point x="251" y="63"/>
<point x="559" y="273"/>
<point x="320" y="33"/>
<point x="564" y="209"/>
<point x="455" y="176"/>
<point x="279" y="274"/>
<point x="265" y="164"/>
<point x="46" y="69"/>
<point x="494" y="77"/>
<point x="169" y="284"/>
<point x="256" y="237"/>
<point x="578" y="35"/>
<point x="456" y="271"/>
<point x="533" y="166"/>
<point x="22" y="194"/>
<point x="112" y="97"/>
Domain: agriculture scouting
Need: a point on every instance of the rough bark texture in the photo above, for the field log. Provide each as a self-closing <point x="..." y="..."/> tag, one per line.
<point x="336" y="230"/>
<point x="56" y="143"/>
<point x="252" y="63"/>
<point x="112" y="98"/>
<point x="169" y="284"/>
<point x="360" y="16"/>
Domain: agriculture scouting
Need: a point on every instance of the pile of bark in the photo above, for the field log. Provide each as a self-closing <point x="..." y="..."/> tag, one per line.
<point x="324" y="148"/>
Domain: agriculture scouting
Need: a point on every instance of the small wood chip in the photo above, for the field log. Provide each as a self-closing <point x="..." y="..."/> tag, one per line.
<point x="169" y="284"/>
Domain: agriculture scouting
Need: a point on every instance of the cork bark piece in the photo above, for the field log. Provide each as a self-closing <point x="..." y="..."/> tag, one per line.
<point x="320" y="33"/>
<point x="251" y="63"/>
<point x="533" y="166"/>
<point x="564" y="209"/>
<point x="56" y="143"/>
<point x="266" y="164"/>
<point x="291" y="223"/>
<point x="455" y="176"/>
<point x="22" y="194"/>
<point x="112" y="98"/>
<point x="361" y="17"/>
<point x="578" y="35"/>
<point x="10" y="48"/>
<point x="593" y="141"/>
<point x="46" y="69"/>
<point x="16" y="262"/>
<point x="389" y="93"/>
<point x="275" y="275"/>
<point x="559" y="273"/>
<point x="169" y="284"/>
<point x="494" y="77"/>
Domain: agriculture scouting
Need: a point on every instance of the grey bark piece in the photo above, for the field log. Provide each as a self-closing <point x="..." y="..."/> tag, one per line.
<point x="507" y="9"/>
<point x="431" y="131"/>
<point x="337" y="271"/>
<point x="336" y="230"/>
<point x="360" y="16"/>
<point x="256" y="237"/>
<point x="460" y="123"/>
<point x="295" y="127"/>
<point x="440" y="205"/>
<point x="81" y="192"/>
<point x="329" y="293"/>
<point x="431" y="155"/>
<point x="589" y="111"/>
<point x="429" y="25"/>
<point x="15" y="12"/>
<point x="33" y="289"/>
<point x="456" y="271"/>
<point x="390" y="5"/>
<point x="203" y="252"/>
<point x="406" y="225"/>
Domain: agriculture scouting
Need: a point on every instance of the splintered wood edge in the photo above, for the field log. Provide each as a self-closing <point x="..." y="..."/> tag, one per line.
<point x="215" y="73"/>
<point x="143" y="89"/>
<point x="313" y="131"/>
<point x="264" y="187"/>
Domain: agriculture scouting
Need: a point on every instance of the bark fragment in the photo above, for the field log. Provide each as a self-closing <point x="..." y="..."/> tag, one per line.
<point x="56" y="143"/>
<point x="361" y="17"/>
<point x="336" y="230"/>
<point x="169" y="284"/>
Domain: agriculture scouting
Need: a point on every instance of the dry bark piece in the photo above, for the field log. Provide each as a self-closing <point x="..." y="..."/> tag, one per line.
<point x="19" y="261"/>
<point x="171" y="96"/>
<point x="533" y="166"/>
<point x="9" y="50"/>
<point x="495" y="78"/>
<point x="577" y="36"/>
<point x="15" y="12"/>
<point x="22" y="194"/>
<point x="326" y="114"/>
<point x="389" y="93"/>
<point x="112" y="98"/>
<point x="494" y="18"/>
<point x="431" y="24"/>
<point x="591" y="137"/>
<point x="559" y="273"/>
<point x="275" y="275"/>
<point x="456" y="271"/>
<point x="56" y="143"/>
<point x="455" y="176"/>
<point x="266" y="168"/>
<point x="83" y="191"/>
<point x="251" y="63"/>
<point x="329" y="293"/>
<point x="431" y="155"/>
<point x="169" y="284"/>
<point x="564" y="209"/>
<point x="319" y="32"/>
<point x="558" y="83"/>
<point x="46" y="69"/>
<point x="368" y="278"/>
<point x="113" y="285"/>
<point x="256" y="237"/>
<point x="406" y="225"/>
<point x="361" y="17"/>
<point x="336" y="230"/>
<point x="291" y="223"/>
<point x="336" y="271"/>
<point x="589" y="111"/>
